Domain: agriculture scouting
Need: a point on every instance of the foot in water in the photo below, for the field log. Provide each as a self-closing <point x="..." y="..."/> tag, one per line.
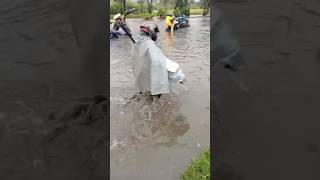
<point x="113" y="36"/>
<point x="147" y="97"/>
<point x="156" y="97"/>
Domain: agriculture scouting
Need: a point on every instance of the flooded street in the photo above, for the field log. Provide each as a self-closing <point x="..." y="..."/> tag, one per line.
<point x="157" y="140"/>
<point x="44" y="132"/>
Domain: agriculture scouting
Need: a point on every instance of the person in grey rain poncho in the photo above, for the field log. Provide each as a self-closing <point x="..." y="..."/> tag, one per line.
<point x="154" y="72"/>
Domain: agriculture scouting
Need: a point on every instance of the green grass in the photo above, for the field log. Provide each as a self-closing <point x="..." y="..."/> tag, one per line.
<point x="145" y="16"/>
<point x="148" y="16"/>
<point x="199" y="168"/>
<point x="196" y="11"/>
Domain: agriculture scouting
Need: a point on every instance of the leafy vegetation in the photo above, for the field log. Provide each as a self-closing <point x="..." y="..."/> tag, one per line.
<point x="147" y="9"/>
<point x="145" y="16"/>
<point x="162" y="12"/>
<point x="199" y="169"/>
<point x="182" y="8"/>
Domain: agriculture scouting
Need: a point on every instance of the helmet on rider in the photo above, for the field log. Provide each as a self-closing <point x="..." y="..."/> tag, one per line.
<point x="117" y="16"/>
<point x="149" y="29"/>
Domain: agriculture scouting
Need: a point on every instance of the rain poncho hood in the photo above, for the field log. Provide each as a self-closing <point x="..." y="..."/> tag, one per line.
<point x="153" y="71"/>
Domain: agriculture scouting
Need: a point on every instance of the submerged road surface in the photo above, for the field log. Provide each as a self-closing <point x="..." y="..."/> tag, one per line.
<point x="52" y="63"/>
<point x="270" y="130"/>
<point x="158" y="140"/>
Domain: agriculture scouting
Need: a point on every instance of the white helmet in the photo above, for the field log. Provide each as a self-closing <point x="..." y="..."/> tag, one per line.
<point x="116" y="16"/>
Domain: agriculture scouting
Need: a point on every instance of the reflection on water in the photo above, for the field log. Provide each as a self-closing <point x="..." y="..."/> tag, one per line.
<point x="169" y="39"/>
<point x="151" y="122"/>
<point x="175" y="122"/>
<point x="42" y="81"/>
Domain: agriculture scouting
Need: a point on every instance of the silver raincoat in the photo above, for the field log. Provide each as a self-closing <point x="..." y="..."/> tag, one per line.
<point x="153" y="71"/>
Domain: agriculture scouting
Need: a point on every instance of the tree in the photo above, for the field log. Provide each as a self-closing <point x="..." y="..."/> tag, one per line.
<point x="182" y="7"/>
<point x="206" y="7"/>
<point x="201" y="3"/>
<point x="164" y="3"/>
<point x="150" y="6"/>
<point x="122" y="5"/>
<point x="141" y="2"/>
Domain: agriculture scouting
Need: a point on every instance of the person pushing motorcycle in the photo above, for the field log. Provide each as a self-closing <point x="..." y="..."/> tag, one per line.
<point x="175" y="23"/>
<point x="170" y="22"/>
<point x="120" y="22"/>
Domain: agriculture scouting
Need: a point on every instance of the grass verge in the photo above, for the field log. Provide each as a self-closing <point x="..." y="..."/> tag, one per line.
<point x="193" y="11"/>
<point x="199" y="168"/>
<point x="196" y="11"/>
<point x="147" y="16"/>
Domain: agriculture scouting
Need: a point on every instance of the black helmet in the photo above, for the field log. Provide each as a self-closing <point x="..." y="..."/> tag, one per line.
<point x="150" y="29"/>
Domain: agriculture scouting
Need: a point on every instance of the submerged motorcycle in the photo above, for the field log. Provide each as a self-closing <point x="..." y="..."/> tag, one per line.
<point x="183" y="21"/>
<point x="119" y="26"/>
<point x="180" y="22"/>
<point x="118" y="31"/>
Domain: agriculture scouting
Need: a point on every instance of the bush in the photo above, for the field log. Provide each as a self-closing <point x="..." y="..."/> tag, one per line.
<point x="116" y="8"/>
<point x="185" y="11"/>
<point x="181" y="11"/>
<point x="176" y="12"/>
<point x="156" y="6"/>
<point x="130" y="5"/>
<point x="141" y="10"/>
<point x="162" y="12"/>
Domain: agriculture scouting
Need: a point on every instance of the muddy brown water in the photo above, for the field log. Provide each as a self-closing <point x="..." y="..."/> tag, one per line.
<point x="157" y="140"/>
<point x="44" y="49"/>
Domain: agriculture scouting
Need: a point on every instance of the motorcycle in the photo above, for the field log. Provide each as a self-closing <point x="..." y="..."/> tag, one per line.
<point x="180" y="22"/>
<point x="120" y="28"/>
<point x="183" y="21"/>
<point x="117" y="32"/>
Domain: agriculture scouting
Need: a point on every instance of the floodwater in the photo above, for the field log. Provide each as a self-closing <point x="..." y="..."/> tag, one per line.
<point x="158" y="139"/>
<point x="42" y="133"/>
